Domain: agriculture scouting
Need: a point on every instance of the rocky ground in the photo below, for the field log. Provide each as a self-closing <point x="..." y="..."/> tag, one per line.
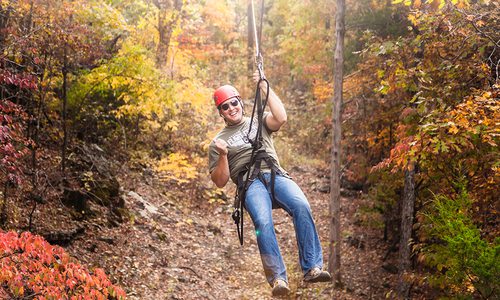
<point x="176" y="244"/>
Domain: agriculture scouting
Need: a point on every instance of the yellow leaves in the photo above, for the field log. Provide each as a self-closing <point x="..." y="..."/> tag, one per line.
<point x="171" y="125"/>
<point x="194" y="93"/>
<point x="179" y="168"/>
<point x="453" y="129"/>
<point x="215" y="196"/>
<point x="413" y="19"/>
<point x="184" y="222"/>
<point x="470" y="287"/>
<point x="218" y="13"/>
<point x="105" y="18"/>
<point x="143" y="90"/>
<point x="405" y="2"/>
<point x="487" y="95"/>
<point x="380" y="73"/>
<point x="480" y="23"/>
<point x="384" y="87"/>
<point x="485" y="67"/>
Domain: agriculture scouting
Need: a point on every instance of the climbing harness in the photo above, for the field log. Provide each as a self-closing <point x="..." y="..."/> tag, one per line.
<point x="259" y="153"/>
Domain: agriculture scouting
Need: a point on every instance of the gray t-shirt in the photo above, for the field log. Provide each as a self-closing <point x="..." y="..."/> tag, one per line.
<point x="240" y="149"/>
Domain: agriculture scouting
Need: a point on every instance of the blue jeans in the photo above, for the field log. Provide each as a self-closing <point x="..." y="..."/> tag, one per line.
<point x="290" y="197"/>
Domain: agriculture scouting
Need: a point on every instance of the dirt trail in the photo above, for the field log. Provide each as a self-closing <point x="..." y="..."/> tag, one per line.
<point x="188" y="248"/>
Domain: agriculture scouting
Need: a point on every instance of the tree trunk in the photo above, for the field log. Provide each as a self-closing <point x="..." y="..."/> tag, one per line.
<point x="335" y="238"/>
<point x="36" y="118"/>
<point x="3" y="209"/>
<point x="406" y="231"/>
<point x="4" y="20"/>
<point x="166" y="22"/>
<point x="64" y="115"/>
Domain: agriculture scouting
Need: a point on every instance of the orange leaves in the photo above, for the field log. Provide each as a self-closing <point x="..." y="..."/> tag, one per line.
<point x="30" y="265"/>
<point x="478" y="115"/>
<point x="439" y="4"/>
<point x="465" y="136"/>
<point x="401" y="153"/>
<point x="322" y="90"/>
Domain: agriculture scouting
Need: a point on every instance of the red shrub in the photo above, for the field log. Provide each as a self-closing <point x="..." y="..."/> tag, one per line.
<point x="31" y="268"/>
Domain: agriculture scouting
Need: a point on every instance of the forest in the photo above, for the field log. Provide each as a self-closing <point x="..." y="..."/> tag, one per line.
<point x="107" y="114"/>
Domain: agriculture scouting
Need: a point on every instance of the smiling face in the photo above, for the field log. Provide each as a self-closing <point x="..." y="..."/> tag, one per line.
<point x="231" y="111"/>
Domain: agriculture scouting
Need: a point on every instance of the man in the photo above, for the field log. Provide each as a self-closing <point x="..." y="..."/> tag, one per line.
<point x="230" y="153"/>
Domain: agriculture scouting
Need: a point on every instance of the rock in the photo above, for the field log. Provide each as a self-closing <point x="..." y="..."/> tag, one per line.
<point x="390" y="268"/>
<point x="63" y="238"/>
<point x="356" y="242"/>
<point x="76" y="200"/>
<point x="105" y="191"/>
<point x="146" y="207"/>
<point x="97" y="176"/>
<point x="214" y="229"/>
<point x="324" y="189"/>
<point x="298" y="169"/>
<point x="108" y="240"/>
<point x="348" y="193"/>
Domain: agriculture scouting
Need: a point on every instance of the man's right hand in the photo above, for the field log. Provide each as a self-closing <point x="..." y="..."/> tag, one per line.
<point x="220" y="175"/>
<point x="221" y="146"/>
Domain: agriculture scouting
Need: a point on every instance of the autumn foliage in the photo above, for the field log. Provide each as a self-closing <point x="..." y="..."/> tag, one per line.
<point x="30" y="268"/>
<point x="12" y="142"/>
<point x="422" y="85"/>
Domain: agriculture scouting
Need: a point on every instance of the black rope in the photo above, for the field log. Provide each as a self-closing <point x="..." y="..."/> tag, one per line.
<point x="259" y="107"/>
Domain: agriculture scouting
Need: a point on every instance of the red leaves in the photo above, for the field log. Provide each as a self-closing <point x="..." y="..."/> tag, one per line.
<point x="30" y="265"/>
<point x="23" y="80"/>
<point x="12" y="141"/>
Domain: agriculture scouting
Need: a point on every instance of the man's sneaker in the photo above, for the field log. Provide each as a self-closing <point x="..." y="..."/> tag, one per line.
<point x="317" y="275"/>
<point x="280" y="288"/>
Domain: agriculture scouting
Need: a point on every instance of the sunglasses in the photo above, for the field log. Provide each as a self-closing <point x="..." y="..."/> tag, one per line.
<point x="233" y="103"/>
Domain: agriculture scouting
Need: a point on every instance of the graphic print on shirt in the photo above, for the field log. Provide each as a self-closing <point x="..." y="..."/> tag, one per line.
<point x="239" y="138"/>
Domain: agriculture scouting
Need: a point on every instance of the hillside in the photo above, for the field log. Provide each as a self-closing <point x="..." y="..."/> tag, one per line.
<point x="179" y="246"/>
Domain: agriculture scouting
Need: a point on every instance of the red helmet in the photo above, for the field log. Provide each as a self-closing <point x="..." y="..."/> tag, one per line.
<point x="224" y="93"/>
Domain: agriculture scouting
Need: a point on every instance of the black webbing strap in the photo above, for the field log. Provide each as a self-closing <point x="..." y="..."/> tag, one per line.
<point x="242" y="187"/>
<point x="239" y="202"/>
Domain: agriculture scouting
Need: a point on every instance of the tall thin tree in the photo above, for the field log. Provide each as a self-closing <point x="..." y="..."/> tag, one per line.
<point x="64" y="109"/>
<point x="407" y="210"/>
<point x="334" y="245"/>
<point x="408" y="206"/>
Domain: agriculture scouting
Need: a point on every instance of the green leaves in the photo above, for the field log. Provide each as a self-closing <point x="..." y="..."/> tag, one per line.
<point x="463" y="259"/>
